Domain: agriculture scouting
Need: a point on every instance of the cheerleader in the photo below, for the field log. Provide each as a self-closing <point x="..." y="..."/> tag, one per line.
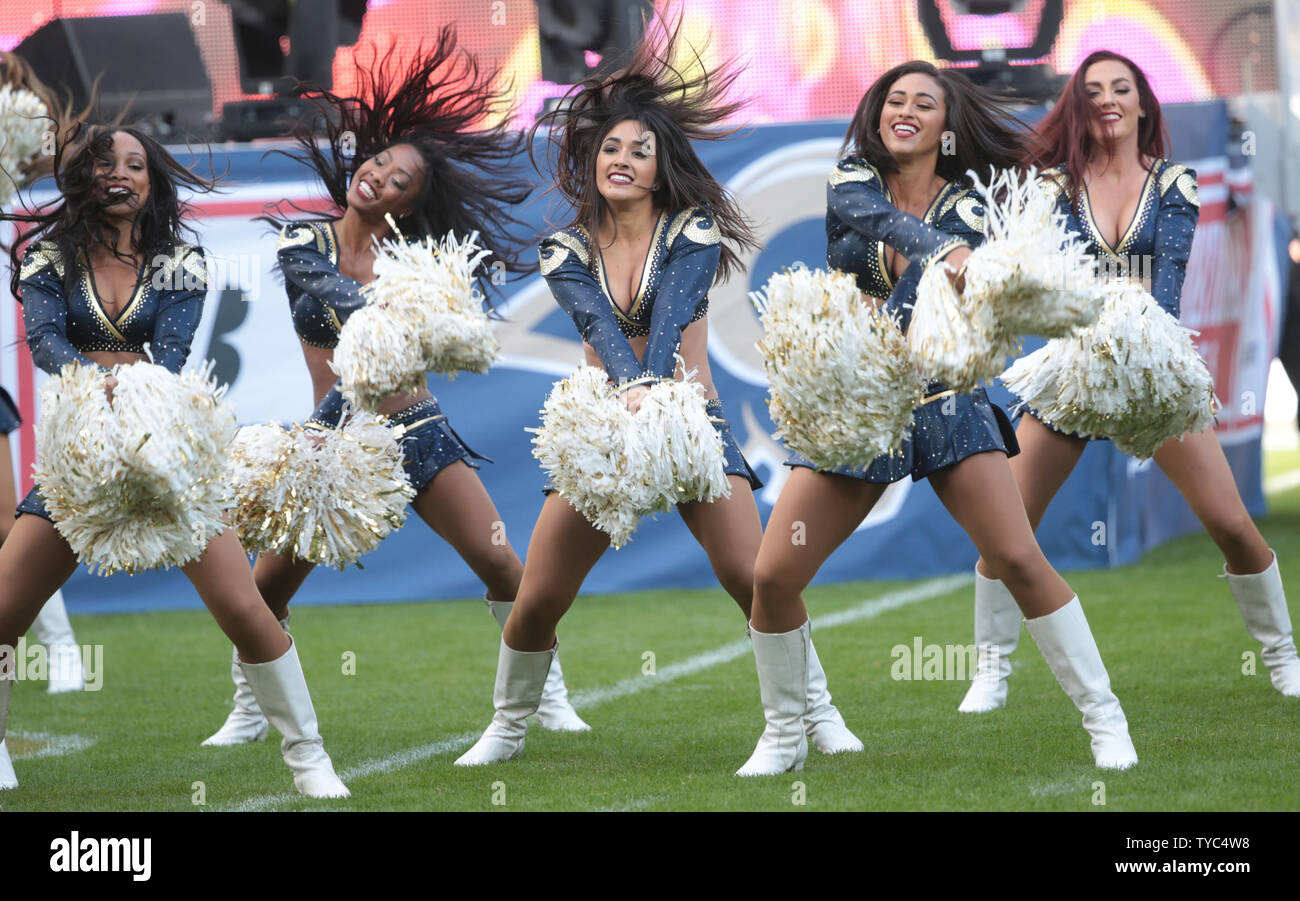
<point x="894" y="205"/>
<point x="412" y="146"/>
<point x="1105" y="143"/>
<point x="651" y="231"/>
<point x="100" y="279"/>
<point x="51" y="627"/>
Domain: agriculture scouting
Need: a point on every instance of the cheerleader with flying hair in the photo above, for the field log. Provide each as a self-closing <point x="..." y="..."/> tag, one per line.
<point x="651" y="230"/>
<point x="1104" y="146"/>
<point x="102" y="277"/>
<point x="413" y="145"/>
<point x="895" y="203"/>
<point x="32" y="114"/>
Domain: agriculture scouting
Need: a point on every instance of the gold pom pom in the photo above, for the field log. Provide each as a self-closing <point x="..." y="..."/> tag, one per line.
<point x="841" y="380"/>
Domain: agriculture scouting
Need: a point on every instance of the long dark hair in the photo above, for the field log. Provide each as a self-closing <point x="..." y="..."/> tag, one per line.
<point x="1063" y="139"/>
<point x="438" y="105"/>
<point x="60" y="115"/>
<point x="76" y="220"/>
<point x="677" y="108"/>
<point x="986" y="131"/>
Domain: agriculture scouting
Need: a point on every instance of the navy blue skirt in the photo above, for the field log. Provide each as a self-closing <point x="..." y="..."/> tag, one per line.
<point x="10" y="418"/>
<point x="430" y="444"/>
<point x="33" y="503"/>
<point x="734" y="462"/>
<point x="946" y="429"/>
<point x="1020" y="408"/>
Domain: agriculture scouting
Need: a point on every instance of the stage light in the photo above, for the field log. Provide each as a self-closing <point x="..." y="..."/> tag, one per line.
<point x="1031" y="83"/>
<point x="987" y="7"/>
<point x="572" y="33"/>
<point x="281" y="41"/>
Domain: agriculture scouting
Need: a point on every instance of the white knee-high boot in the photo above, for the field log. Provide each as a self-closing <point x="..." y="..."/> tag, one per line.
<point x="281" y="690"/>
<point x="782" y="663"/>
<point x="246" y="723"/>
<point x="997" y="632"/>
<point x="53" y="629"/>
<point x="1066" y="641"/>
<point x="8" y="779"/>
<point x="823" y="724"/>
<point x="1262" y="603"/>
<point x="521" y="679"/>
<point x="554" y="712"/>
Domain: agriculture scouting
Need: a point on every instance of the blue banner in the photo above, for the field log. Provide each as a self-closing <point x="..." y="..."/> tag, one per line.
<point x="1107" y="514"/>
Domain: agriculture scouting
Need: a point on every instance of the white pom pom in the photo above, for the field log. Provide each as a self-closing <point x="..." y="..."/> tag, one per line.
<point x="1134" y="377"/>
<point x="327" y="496"/>
<point x="423" y="314"/>
<point x="955" y="338"/>
<point x="615" y="467"/>
<point x="681" y="452"/>
<point x="380" y="354"/>
<point x="138" y="484"/>
<point x="1036" y="274"/>
<point x="23" y="124"/>
<point x="841" y="382"/>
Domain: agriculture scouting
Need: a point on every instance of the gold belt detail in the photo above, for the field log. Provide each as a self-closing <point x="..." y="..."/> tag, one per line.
<point x="942" y="394"/>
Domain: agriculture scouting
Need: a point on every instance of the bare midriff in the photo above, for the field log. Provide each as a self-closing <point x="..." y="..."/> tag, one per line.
<point x="115" y="357"/>
<point x="694" y="350"/>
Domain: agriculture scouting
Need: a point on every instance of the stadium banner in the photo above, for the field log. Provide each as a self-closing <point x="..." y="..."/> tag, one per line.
<point x="1108" y="513"/>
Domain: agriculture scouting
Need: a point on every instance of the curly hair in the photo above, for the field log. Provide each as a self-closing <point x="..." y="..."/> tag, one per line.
<point x="986" y="132"/>
<point x="76" y="221"/>
<point x="676" y="107"/>
<point x="438" y="105"/>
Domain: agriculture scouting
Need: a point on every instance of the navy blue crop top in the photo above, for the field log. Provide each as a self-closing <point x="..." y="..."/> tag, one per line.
<point x="674" y="291"/>
<point x="320" y="298"/>
<point x="861" y="221"/>
<point x="1158" y="239"/>
<point x="61" y="327"/>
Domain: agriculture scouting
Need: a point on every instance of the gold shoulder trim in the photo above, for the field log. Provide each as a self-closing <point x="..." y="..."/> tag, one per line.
<point x="969" y="207"/>
<point x="1180" y="176"/>
<point x="555" y="250"/>
<point x="677" y="224"/>
<point x="1169" y="176"/>
<point x="298" y="235"/>
<point x="189" y="259"/>
<point x="46" y="253"/>
<point x="195" y="264"/>
<point x="848" y="170"/>
<point x="575" y="244"/>
<point x="1053" y="182"/>
<point x="697" y="225"/>
<point x="971" y="211"/>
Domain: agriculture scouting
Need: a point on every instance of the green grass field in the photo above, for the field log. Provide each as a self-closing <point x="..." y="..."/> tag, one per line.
<point x="1209" y="737"/>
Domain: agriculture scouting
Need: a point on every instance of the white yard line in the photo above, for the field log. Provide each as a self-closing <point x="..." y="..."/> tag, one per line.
<point x="1283" y="481"/>
<point x="55" y="745"/>
<point x="867" y="609"/>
